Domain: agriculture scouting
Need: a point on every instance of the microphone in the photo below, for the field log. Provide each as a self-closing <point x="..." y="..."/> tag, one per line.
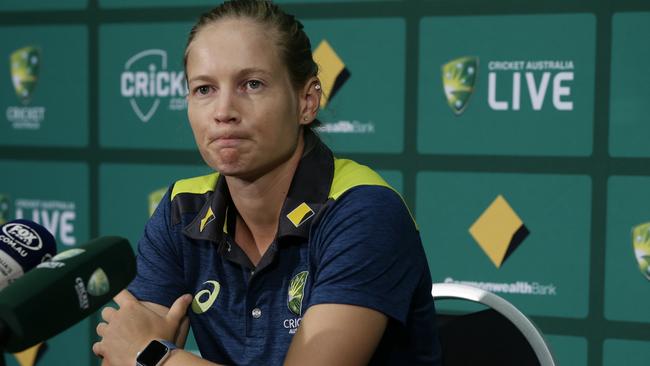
<point x="61" y="292"/>
<point x="23" y="245"/>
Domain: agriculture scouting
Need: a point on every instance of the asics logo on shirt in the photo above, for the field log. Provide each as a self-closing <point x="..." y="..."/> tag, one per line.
<point x="204" y="299"/>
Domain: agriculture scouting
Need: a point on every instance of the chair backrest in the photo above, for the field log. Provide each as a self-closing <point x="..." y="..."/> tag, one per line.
<point x="502" y="329"/>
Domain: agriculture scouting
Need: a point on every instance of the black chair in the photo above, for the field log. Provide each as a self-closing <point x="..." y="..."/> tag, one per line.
<point x="499" y="335"/>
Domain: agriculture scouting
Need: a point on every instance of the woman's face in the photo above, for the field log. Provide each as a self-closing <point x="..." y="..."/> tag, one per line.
<point x="243" y="109"/>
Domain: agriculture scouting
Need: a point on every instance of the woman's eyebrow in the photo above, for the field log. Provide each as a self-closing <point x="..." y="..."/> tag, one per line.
<point x="240" y="73"/>
<point x="200" y="78"/>
<point x="253" y="70"/>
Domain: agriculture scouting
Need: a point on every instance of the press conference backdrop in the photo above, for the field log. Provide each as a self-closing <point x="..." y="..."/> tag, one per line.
<point x="518" y="132"/>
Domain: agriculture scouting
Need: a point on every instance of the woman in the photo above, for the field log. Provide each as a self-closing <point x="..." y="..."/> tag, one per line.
<point x="291" y="256"/>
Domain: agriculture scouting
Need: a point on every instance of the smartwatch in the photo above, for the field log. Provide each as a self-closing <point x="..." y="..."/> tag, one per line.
<point x="155" y="353"/>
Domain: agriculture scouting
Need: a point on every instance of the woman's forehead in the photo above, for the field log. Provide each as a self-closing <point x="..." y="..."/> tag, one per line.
<point x="234" y="44"/>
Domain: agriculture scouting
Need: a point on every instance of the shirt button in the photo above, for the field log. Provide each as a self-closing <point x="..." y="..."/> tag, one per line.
<point x="256" y="313"/>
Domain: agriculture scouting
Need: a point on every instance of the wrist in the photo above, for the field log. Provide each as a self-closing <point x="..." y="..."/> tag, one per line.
<point x="155" y="353"/>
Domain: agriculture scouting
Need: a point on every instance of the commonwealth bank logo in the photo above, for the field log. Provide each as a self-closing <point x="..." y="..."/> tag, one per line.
<point x="499" y="231"/>
<point x="641" y="245"/>
<point x="333" y="74"/>
<point x="332" y="71"/>
<point x="25" y="64"/>
<point x="204" y="299"/>
<point x="31" y="356"/>
<point x="300" y="214"/>
<point x="458" y="79"/>
<point x="297" y="292"/>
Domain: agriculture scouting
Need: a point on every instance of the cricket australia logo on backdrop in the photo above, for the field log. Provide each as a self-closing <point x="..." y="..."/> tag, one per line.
<point x="155" y="198"/>
<point x="58" y="217"/>
<point x="458" y="79"/>
<point x="146" y="82"/>
<point x="539" y="78"/>
<point x="641" y="245"/>
<point x="24" y="67"/>
<point x="295" y="296"/>
<point x="512" y="85"/>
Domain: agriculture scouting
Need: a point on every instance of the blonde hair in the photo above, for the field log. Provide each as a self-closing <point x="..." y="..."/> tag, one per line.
<point x="292" y="41"/>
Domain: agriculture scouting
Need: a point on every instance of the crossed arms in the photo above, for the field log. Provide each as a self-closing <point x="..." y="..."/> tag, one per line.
<point x="324" y="337"/>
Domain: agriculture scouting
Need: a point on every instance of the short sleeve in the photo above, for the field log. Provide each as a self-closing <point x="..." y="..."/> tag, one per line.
<point x="368" y="253"/>
<point x="159" y="277"/>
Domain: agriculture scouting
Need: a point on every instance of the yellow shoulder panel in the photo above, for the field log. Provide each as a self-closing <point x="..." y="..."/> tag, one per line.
<point x="198" y="185"/>
<point x="349" y="174"/>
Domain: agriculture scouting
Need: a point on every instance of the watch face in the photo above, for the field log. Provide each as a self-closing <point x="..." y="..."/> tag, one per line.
<point x="152" y="354"/>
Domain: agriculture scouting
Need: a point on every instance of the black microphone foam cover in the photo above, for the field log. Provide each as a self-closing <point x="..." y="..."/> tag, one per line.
<point x="59" y="293"/>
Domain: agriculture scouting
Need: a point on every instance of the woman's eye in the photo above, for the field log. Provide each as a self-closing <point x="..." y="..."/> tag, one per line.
<point x="203" y="90"/>
<point x="253" y="84"/>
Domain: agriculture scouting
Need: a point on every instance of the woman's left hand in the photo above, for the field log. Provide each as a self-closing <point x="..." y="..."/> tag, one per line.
<point x="127" y="330"/>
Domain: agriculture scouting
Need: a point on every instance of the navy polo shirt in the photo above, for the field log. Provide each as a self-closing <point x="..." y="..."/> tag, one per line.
<point x="344" y="237"/>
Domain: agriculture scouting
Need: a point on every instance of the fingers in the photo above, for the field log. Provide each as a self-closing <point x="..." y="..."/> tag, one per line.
<point x="100" y="329"/>
<point x="179" y="308"/>
<point x="123" y="297"/>
<point x="108" y="313"/>
<point x="97" y="349"/>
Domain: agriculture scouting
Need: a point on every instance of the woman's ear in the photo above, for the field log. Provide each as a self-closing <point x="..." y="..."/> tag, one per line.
<point x="310" y="100"/>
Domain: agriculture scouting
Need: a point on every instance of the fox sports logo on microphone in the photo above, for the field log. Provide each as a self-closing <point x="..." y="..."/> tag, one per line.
<point x="23" y="235"/>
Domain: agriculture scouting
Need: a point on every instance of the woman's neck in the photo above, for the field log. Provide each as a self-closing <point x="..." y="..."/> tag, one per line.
<point x="259" y="203"/>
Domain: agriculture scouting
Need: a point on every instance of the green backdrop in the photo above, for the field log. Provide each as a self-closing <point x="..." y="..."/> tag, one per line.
<point x="536" y="106"/>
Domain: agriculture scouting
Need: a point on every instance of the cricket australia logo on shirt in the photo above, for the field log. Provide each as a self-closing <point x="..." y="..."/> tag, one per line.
<point x="204" y="299"/>
<point x="294" y="300"/>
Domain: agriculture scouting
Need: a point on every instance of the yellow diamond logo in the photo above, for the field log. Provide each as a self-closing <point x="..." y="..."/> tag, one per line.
<point x="31" y="355"/>
<point x="332" y="71"/>
<point x="300" y="214"/>
<point x="499" y="231"/>
<point x="208" y="218"/>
